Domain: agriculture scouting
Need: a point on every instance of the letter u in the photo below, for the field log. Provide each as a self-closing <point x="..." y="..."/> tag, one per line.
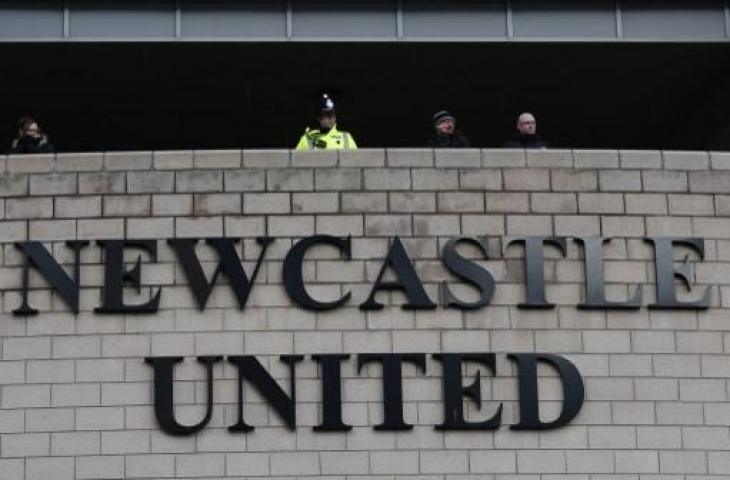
<point x="164" y="399"/>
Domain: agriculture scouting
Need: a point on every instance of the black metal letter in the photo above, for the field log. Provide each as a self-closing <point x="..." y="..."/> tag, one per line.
<point x="229" y="263"/>
<point x="293" y="279"/>
<point x="331" y="393"/>
<point x="535" y="268"/>
<point x="469" y="271"/>
<point x="392" y="384"/>
<point x="35" y="254"/>
<point x="573" y="390"/>
<point x="595" y="290"/>
<point x="666" y="271"/>
<point x="455" y="392"/>
<point x="164" y="399"/>
<point x="115" y="276"/>
<point x="407" y="281"/>
<point x="250" y="368"/>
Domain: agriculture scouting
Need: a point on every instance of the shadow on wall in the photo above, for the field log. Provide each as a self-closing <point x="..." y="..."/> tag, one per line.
<point x="183" y="96"/>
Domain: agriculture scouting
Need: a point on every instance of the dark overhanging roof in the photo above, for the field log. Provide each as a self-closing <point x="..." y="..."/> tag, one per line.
<point x="374" y="20"/>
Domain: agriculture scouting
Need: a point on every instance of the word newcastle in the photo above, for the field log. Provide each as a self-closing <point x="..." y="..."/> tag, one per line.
<point x="117" y="276"/>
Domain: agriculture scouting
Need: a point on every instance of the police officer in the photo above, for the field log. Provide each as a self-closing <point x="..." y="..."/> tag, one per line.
<point x="327" y="137"/>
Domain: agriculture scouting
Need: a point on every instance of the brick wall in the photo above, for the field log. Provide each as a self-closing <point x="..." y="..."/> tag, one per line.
<point x="76" y="396"/>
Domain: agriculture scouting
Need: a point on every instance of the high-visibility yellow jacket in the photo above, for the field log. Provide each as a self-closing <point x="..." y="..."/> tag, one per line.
<point x="332" y="140"/>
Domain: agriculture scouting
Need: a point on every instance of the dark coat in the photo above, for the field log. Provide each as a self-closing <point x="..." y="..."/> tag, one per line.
<point x="455" y="140"/>
<point x="31" y="145"/>
<point x="526" y="141"/>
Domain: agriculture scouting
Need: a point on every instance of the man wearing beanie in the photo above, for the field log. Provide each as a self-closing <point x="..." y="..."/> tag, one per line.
<point x="446" y="135"/>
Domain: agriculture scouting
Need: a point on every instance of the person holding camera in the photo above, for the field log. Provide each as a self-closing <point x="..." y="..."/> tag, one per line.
<point x="327" y="137"/>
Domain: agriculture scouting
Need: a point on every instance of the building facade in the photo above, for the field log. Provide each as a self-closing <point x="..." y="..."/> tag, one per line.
<point x="581" y="359"/>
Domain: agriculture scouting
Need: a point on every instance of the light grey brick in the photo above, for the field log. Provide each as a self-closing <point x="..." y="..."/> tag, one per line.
<point x="172" y="160"/>
<point x="552" y="158"/>
<point x="364" y="202"/>
<point x="199" y="181"/>
<point x="217" y="203"/>
<point x="503" y="158"/>
<point x="622" y="226"/>
<point x="600" y="203"/>
<point x="664" y="181"/>
<point x="290" y="225"/>
<point x="13" y="231"/>
<point x="467" y="202"/>
<point x="339" y="225"/>
<point x="529" y="225"/>
<point x="172" y="204"/>
<point x="247" y="226"/>
<point x="338" y="179"/>
<point x="363" y="157"/>
<point x="150" y="227"/>
<point x="58" y="468"/>
<point x="596" y="158"/>
<point x="127" y="161"/>
<point x="403" y="202"/>
<point x="102" y="182"/>
<point x="480" y="179"/>
<point x="150" y="182"/>
<point x="38" y="207"/>
<point x="247" y="180"/>
<point x="709" y="182"/>
<point x="315" y="202"/>
<point x="199" y="227"/>
<point x="619" y="180"/>
<point x="52" y="229"/>
<point x="640" y="159"/>
<point x="686" y="160"/>
<point x="313" y="158"/>
<point x="527" y="179"/>
<point x="553" y="203"/>
<point x="53" y="184"/>
<point x="574" y="180"/>
<point x="290" y="180"/>
<point x="433" y="179"/>
<point x="13" y="185"/>
<point x="266" y="158"/>
<point x="503" y="202"/>
<point x="432" y="225"/>
<point x="409" y="157"/>
<point x="646" y="204"/>
<point x="457" y="158"/>
<point x="691" y="205"/>
<point x="722" y="205"/>
<point x="387" y="179"/>
<point x="217" y="158"/>
<point x="41" y="163"/>
<point x="78" y="207"/>
<point x="80" y="162"/>
<point x="388" y="225"/>
<point x="720" y="160"/>
<point x="266" y="203"/>
<point x="127" y="205"/>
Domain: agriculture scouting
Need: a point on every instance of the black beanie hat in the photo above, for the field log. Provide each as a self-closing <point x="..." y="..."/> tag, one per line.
<point x="442" y="115"/>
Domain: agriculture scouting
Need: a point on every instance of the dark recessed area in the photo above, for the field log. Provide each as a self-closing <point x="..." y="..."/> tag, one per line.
<point x="262" y="95"/>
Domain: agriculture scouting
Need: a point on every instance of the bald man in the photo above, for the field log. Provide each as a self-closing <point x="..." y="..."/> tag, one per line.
<point x="526" y="136"/>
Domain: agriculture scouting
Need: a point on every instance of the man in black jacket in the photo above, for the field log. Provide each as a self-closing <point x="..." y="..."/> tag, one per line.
<point x="527" y="136"/>
<point x="31" y="138"/>
<point x="446" y="134"/>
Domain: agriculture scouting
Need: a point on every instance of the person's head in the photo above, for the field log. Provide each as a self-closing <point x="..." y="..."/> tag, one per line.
<point x="327" y="115"/>
<point x="444" y="122"/>
<point x="526" y="124"/>
<point x="327" y="119"/>
<point x="27" y="127"/>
